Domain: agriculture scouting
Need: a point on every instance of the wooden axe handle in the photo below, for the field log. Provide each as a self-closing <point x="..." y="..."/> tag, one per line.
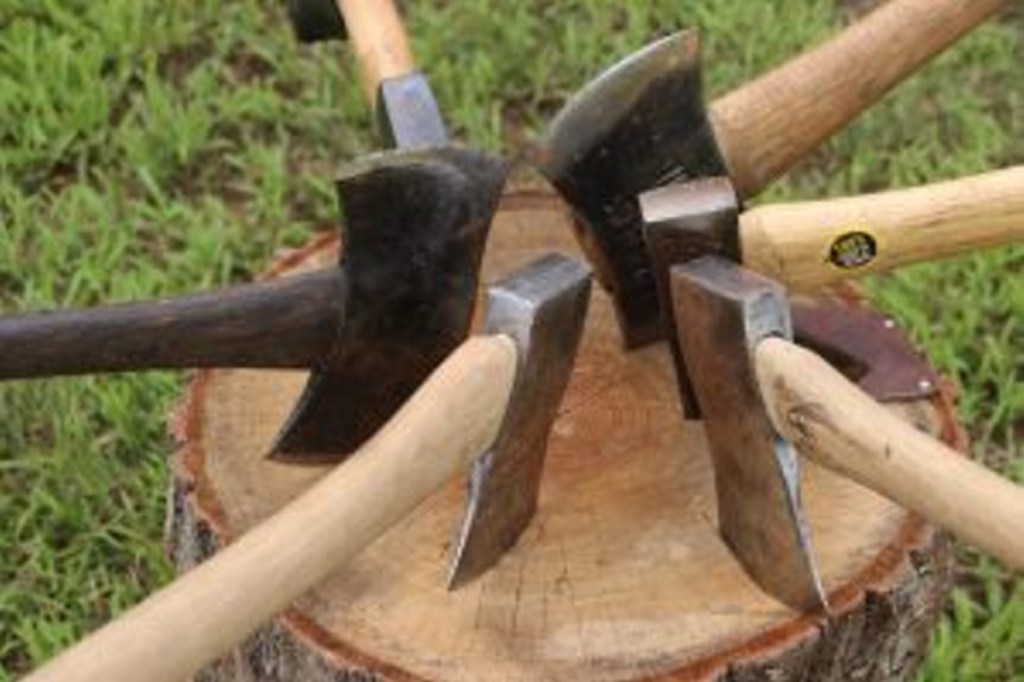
<point x="768" y="125"/>
<point x="450" y="421"/>
<point x="801" y="243"/>
<point x="378" y="41"/>
<point x="835" y="424"/>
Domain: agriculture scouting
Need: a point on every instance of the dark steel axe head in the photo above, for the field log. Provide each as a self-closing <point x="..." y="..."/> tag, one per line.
<point x="542" y="307"/>
<point x="316" y="20"/>
<point x="639" y="125"/>
<point x="413" y="232"/>
<point x="721" y="312"/>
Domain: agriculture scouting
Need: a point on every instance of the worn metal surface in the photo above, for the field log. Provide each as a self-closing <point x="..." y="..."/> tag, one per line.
<point x="639" y="125"/>
<point x="542" y="307"/>
<point x="414" y="229"/>
<point x="722" y="311"/>
<point x="407" y="113"/>
<point x="316" y="20"/>
<point x="683" y="222"/>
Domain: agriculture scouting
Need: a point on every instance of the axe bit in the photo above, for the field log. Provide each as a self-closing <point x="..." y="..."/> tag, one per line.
<point x="755" y="386"/>
<point x="642" y="124"/>
<point x="488" y="386"/>
<point x="371" y="328"/>
<point x="809" y="245"/>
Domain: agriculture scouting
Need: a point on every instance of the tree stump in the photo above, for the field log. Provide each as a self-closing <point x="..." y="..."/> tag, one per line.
<point x="620" y="576"/>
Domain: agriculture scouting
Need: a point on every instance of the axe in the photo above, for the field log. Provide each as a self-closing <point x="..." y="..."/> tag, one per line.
<point x="813" y="244"/>
<point x="503" y="487"/>
<point x="509" y="378"/>
<point x="406" y="110"/>
<point x="643" y="124"/>
<point x="761" y="394"/>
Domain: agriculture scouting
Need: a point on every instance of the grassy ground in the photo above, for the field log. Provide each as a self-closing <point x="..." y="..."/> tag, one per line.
<point x="151" y="147"/>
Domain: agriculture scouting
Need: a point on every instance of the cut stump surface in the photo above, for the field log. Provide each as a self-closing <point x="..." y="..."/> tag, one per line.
<point x="620" y="576"/>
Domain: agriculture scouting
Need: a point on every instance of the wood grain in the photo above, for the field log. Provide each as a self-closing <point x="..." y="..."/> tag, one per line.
<point x="622" y="574"/>
<point x="449" y="422"/>
<point x="791" y="242"/>
<point x="766" y="126"/>
<point x="836" y="424"/>
<point x="379" y="41"/>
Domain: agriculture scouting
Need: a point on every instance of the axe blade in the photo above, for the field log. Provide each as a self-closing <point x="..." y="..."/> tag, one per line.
<point x="407" y="113"/>
<point x="414" y="228"/>
<point x="721" y="312"/>
<point x="542" y="307"/>
<point x="639" y="125"/>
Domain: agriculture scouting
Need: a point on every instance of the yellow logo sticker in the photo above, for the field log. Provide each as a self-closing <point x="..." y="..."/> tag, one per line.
<point x="853" y="249"/>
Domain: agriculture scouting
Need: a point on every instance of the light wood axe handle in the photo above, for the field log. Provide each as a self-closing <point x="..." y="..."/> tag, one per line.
<point x="450" y="421"/>
<point x="766" y="126"/>
<point x="794" y="243"/>
<point x="378" y="40"/>
<point x="837" y="425"/>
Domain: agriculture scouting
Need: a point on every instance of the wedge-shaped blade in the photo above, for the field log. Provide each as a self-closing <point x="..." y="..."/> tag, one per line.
<point x="639" y="125"/>
<point x="542" y="307"/>
<point x="414" y="229"/>
<point x="721" y="312"/>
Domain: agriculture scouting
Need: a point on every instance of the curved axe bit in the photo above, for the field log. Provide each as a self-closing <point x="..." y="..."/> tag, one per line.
<point x="643" y="124"/>
<point x="371" y="328"/>
<point x="542" y="307"/>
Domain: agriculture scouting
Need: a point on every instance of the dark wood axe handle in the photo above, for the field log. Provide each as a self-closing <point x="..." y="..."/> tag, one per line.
<point x="378" y="40"/>
<point x="768" y="125"/>
<point x="287" y="322"/>
<point x="453" y="418"/>
<point x="835" y="424"/>
<point x="802" y="244"/>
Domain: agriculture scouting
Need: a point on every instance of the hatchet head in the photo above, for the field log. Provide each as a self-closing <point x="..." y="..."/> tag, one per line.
<point x="639" y="125"/>
<point x="542" y="308"/>
<point x="721" y="312"/>
<point x="413" y="232"/>
<point x="407" y="113"/>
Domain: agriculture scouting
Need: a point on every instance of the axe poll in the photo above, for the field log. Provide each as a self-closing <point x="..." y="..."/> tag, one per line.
<point x="809" y="245"/>
<point x="643" y="124"/>
<point x="491" y="383"/>
<point x="759" y="392"/>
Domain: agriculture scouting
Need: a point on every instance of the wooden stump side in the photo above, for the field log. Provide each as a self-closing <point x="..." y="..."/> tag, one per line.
<point x="620" y="576"/>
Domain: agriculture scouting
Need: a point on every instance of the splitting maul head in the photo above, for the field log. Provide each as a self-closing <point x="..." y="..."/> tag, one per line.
<point x="721" y="312"/>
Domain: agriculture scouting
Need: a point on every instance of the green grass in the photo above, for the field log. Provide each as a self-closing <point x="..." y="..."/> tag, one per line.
<point x="148" y="148"/>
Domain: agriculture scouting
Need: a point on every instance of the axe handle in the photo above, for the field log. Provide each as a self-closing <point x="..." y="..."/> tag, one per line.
<point x="835" y="424"/>
<point x="792" y="242"/>
<point x="447" y="423"/>
<point x="287" y="322"/>
<point x="378" y="40"/>
<point x="768" y="125"/>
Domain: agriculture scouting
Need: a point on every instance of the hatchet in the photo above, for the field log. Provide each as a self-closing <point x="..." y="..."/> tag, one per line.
<point x="760" y="394"/>
<point x="808" y="245"/>
<point x="503" y="488"/>
<point x="643" y="124"/>
<point x="509" y="378"/>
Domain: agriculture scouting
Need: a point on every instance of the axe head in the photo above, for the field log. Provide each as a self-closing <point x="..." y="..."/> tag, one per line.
<point x="639" y="125"/>
<point x="413" y="233"/>
<point x="722" y="311"/>
<point x="542" y="308"/>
